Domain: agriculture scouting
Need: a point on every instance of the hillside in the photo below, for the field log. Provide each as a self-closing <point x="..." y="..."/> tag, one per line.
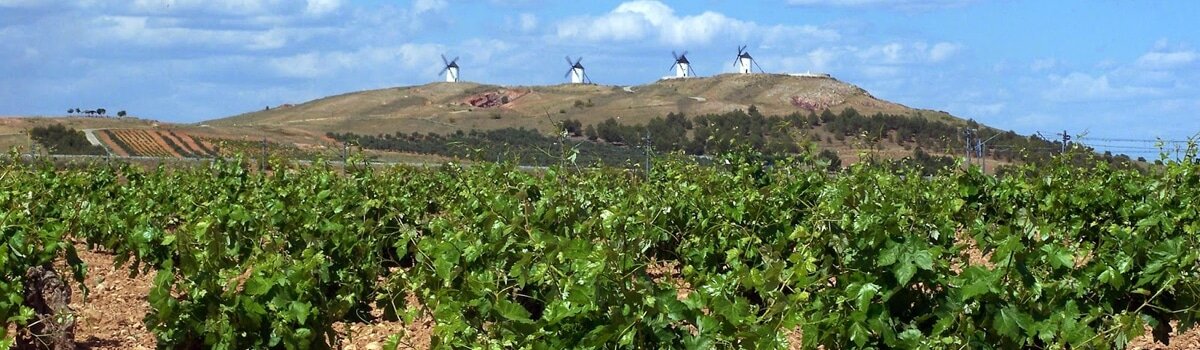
<point x="403" y="119"/>
<point x="448" y="107"/>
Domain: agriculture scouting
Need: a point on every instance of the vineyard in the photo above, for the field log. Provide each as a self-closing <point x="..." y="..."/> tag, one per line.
<point x="743" y="253"/>
<point x="155" y="143"/>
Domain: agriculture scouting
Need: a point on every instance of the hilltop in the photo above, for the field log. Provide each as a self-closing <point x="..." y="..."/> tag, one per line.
<point x="449" y="107"/>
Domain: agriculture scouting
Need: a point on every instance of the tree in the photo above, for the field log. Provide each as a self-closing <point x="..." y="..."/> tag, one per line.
<point x="101" y="111"/>
<point x="121" y="113"/>
<point x="590" y="131"/>
<point x="69" y="111"/>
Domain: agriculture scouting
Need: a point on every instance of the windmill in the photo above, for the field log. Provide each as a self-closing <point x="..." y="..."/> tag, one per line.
<point x="450" y="69"/>
<point x="744" y="62"/>
<point x="683" y="68"/>
<point x="576" y="73"/>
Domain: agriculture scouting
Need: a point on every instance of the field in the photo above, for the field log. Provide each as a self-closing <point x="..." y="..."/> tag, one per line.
<point x="155" y="143"/>
<point x="734" y="255"/>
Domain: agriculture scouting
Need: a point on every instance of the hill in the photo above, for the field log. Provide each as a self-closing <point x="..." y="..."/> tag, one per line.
<point x="449" y="107"/>
<point x="439" y="121"/>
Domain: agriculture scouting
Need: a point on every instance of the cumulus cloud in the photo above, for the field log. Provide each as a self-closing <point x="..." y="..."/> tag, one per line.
<point x="321" y="7"/>
<point x="142" y="31"/>
<point x="528" y="22"/>
<point x="908" y="53"/>
<point x="651" y="19"/>
<point x="20" y="3"/>
<point x="328" y="63"/>
<point x="422" y="6"/>
<point x="1043" y="64"/>
<point x="1077" y="87"/>
<point x="889" y="4"/>
<point x="1167" y="59"/>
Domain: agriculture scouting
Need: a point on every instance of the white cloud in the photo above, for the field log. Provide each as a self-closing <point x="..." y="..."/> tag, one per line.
<point x="941" y="51"/>
<point x="912" y="53"/>
<point x="20" y="3"/>
<point x="651" y="19"/>
<point x="985" y="109"/>
<point x="147" y="32"/>
<point x="232" y="7"/>
<point x="1077" y="87"/>
<point x="422" y="6"/>
<point x="1043" y="64"/>
<point x="410" y="57"/>
<point x="821" y="58"/>
<point x="890" y="4"/>
<point x="321" y="7"/>
<point x="1167" y="59"/>
<point x="529" y="22"/>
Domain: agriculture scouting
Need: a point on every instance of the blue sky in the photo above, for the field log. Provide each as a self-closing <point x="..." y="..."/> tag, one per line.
<point x="1110" y="69"/>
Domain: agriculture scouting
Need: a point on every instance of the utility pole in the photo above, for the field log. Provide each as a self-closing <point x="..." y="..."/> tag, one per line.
<point x="647" y="142"/>
<point x="263" y="162"/>
<point x="969" y="144"/>
<point x="1066" y="139"/>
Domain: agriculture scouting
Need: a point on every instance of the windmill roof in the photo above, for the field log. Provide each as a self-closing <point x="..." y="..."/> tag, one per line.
<point x="682" y="59"/>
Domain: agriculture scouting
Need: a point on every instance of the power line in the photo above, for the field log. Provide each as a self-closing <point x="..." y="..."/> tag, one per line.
<point x="1105" y="139"/>
<point x="1126" y="147"/>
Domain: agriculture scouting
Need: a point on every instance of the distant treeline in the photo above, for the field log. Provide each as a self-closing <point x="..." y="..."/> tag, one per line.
<point x="527" y="147"/>
<point x="59" y="139"/>
<point x="615" y="143"/>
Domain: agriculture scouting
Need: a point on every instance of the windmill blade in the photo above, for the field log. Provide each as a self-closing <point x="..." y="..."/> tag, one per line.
<point x="568" y="75"/>
<point x="569" y="61"/>
<point x="444" y="62"/>
<point x="586" y="79"/>
<point x="672" y="67"/>
<point x="693" y="71"/>
<point x="577" y="60"/>
<point x="453" y="61"/>
<point x="682" y="55"/>
<point x="676" y="56"/>
<point x="444" y="69"/>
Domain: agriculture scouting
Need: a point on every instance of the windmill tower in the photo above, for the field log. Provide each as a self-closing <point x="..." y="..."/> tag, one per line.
<point x="576" y="73"/>
<point x="450" y="69"/>
<point x="744" y="62"/>
<point x="683" y="68"/>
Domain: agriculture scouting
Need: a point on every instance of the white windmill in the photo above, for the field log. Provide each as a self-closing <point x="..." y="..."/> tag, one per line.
<point x="450" y="69"/>
<point x="576" y="73"/>
<point x="744" y="62"/>
<point x="683" y="68"/>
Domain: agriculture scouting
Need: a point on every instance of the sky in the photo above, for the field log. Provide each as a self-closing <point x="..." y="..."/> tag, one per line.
<point x="1107" y="70"/>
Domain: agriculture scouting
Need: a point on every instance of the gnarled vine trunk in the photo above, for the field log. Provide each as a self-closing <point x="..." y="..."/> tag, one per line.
<point x="50" y="297"/>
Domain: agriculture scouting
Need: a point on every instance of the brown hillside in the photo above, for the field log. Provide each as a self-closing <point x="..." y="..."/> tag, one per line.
<point x="448" y="107"/>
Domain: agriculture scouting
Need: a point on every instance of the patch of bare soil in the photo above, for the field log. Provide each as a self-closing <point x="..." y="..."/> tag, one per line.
<point x="668" y="272"/>
<point x="373" y="334"/>
<point x="1189" y="340"/>
<point x="112" y="145"/>
<point x="111" y="316"/>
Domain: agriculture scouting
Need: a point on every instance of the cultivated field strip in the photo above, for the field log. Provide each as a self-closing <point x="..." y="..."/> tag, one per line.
<point x="155" y="143"/>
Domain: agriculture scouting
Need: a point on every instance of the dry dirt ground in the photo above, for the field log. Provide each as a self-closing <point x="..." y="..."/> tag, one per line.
<point x="111" y="317"/>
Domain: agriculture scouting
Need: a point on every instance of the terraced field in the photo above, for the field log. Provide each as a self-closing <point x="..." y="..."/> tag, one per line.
<point x="155" y="143"/>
